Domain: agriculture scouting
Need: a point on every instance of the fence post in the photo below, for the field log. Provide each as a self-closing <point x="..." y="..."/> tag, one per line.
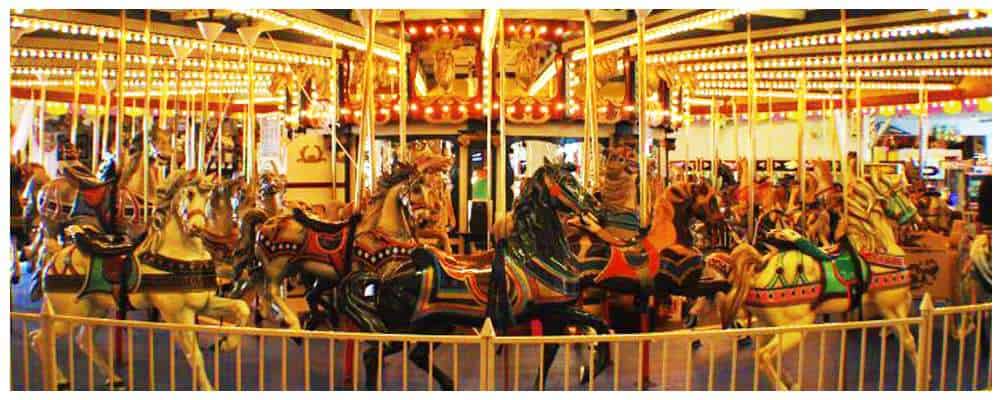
<point x="47" y="354"/>
<point x="486" y="356"/>
<point x="926" y="336"/>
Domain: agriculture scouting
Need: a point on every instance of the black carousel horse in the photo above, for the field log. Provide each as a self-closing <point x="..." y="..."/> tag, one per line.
<point x="533" y="275"/>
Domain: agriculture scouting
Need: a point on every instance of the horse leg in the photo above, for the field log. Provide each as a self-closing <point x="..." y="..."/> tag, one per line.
<point x="421" y="356"/>
<point x="288" y="315"/>
<point x="234" y="310"/>
<point x="84" y="339"/>
<point x="575" y="317"/>
<point x="371" y="361"/>
<point x="59" y="329"/>
<point x="767" y="358"/>
<point x="188" y="341"/>
<point x="551" y="326"/>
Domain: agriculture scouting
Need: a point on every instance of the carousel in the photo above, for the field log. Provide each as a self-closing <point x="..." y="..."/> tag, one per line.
<point x="500" y="199"/>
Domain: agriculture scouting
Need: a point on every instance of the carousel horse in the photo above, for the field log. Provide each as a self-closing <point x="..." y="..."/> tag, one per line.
<point x="619" y="192"/>
<point x="25" y="178"/>
<point x="76" y="195"/>
<point x="324" y="250"/>
<point x="798" y="281"/>
<point x="435" y="166"/>
<point x="533" y="275"/>
<point x="662" y="262"/>
<point x="169" y="269"/>
<point x="976" y="278"/>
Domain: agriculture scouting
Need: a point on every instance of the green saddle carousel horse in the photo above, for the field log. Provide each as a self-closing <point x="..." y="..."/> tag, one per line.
<point x="798" y="281"/>
<point x="533" y="275"/>
<point x="170" y="270"/>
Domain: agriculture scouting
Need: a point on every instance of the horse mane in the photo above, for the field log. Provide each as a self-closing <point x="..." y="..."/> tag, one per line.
<point x="536" y="222"/>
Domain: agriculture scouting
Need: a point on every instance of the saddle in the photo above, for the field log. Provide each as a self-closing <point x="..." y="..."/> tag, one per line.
<point x="92" y="241"/>
<point x="458" y="267"/>
<point x="318" y="224"/>
<point x="80" y="175"/>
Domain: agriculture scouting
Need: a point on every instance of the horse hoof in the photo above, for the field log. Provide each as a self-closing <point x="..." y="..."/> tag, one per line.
<point x="744" y="341"/>
<point x="297" y="340"/>
<point x="117" y="384"/>
<point x="63" y="386"/>
<point x="696" y="344"/>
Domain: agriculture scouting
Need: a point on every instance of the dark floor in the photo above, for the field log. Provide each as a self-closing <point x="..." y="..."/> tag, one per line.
<point x="712" y="361"/>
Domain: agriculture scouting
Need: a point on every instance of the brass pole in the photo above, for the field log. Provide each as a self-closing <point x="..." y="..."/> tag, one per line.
<point x="95" y="139"/>
<point x="501" y="189"/>
<point x="861" y="125"/>
<point x="120" y="119"/>
<point x="589" y="116"/>
<point x="335" y="113"/>
<point x="715" y="113"/>
<point x="403" y="88"/>
<point x="366" y="141"/>
<point x="922" y="126"/>
<point x="800" y="148"/>
<point x="179" y="70"/>
<point x="41" y="120"/>
<point x="251" y="116"/>
<point x="845" y="168"/>
<point x="76" y="105"/>
<point x="770" y="125"/>
<point x="203" y="131"/>
<point x="640" y="22"/>
<point x="751" y="116"/>
<point x="147" y="114"/>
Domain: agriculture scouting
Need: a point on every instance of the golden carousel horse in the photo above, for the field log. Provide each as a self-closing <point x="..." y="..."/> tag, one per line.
<point x="975" y="281"/>
<point x="435" y="163"/>
<point x="799" y="281"/>
<point x="300" y="242"/>
<point x="170" y="270"/>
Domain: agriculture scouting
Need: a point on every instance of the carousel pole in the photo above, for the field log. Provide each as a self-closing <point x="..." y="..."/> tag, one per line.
<point x="76" y="105"/>
<point x="751" y="116"/>
<point x="490" y="27"/>
<point x="590" y="110"/>
<point x="107" y="119"/>
<point x="209" y="31"/>
<point x="501" y="189"/>
<point x="95" y="137"/>
<point x="364" y="144"/>
<point x="147" y="115"/>
<point x="800" y="137"/>
<point x="713" y="118"/>
<point x="403" y="88"/>
<point x="41" y="119"/>
<point x="640" y="21"/>
<point x="180" y="54"/>
<point x="861" y="125"/>
<point x="249" y="35"/>
<point x="334" y="113"/>
<point x="767" y="142"/>
<point x="845" y="167"/>
<point x="120" y="118"/>
<point x="922" y="127"/>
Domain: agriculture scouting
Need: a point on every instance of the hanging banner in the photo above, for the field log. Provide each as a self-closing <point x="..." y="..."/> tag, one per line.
<point x="22" y="116"/>
<point x="270" y="157"/>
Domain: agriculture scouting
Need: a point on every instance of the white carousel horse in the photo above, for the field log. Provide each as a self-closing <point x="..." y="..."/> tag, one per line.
<point x="170" y="270"/>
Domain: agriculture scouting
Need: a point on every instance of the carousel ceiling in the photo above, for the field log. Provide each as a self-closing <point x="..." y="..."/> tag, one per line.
<point x="692" y="56"/>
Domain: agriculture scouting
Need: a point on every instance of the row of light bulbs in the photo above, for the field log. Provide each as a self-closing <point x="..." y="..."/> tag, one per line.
<point x="131" y="73"/>
<point x="161" y="39"/>
<point x="136" y="83"/>
<point x="75" y="55"/>
<point x="886" y="33"/>
<point x="865" y="59"/>
<point x="661" y="31"/>
<point x="853" y="73"/>
<point x="836" y="105"/>
<point x="310" y="28"/>
<point x="827" y="85"/>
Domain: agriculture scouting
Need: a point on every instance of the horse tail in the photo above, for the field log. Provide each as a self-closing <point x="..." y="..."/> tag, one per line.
<point x="745" y="262"/>
<point x="498" y="305"/>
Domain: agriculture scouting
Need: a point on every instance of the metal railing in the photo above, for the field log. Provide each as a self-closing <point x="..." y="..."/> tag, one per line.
<point x="831" y="356"/>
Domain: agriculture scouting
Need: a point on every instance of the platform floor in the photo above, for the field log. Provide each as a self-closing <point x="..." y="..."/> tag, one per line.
<point x="712" y="361"/>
